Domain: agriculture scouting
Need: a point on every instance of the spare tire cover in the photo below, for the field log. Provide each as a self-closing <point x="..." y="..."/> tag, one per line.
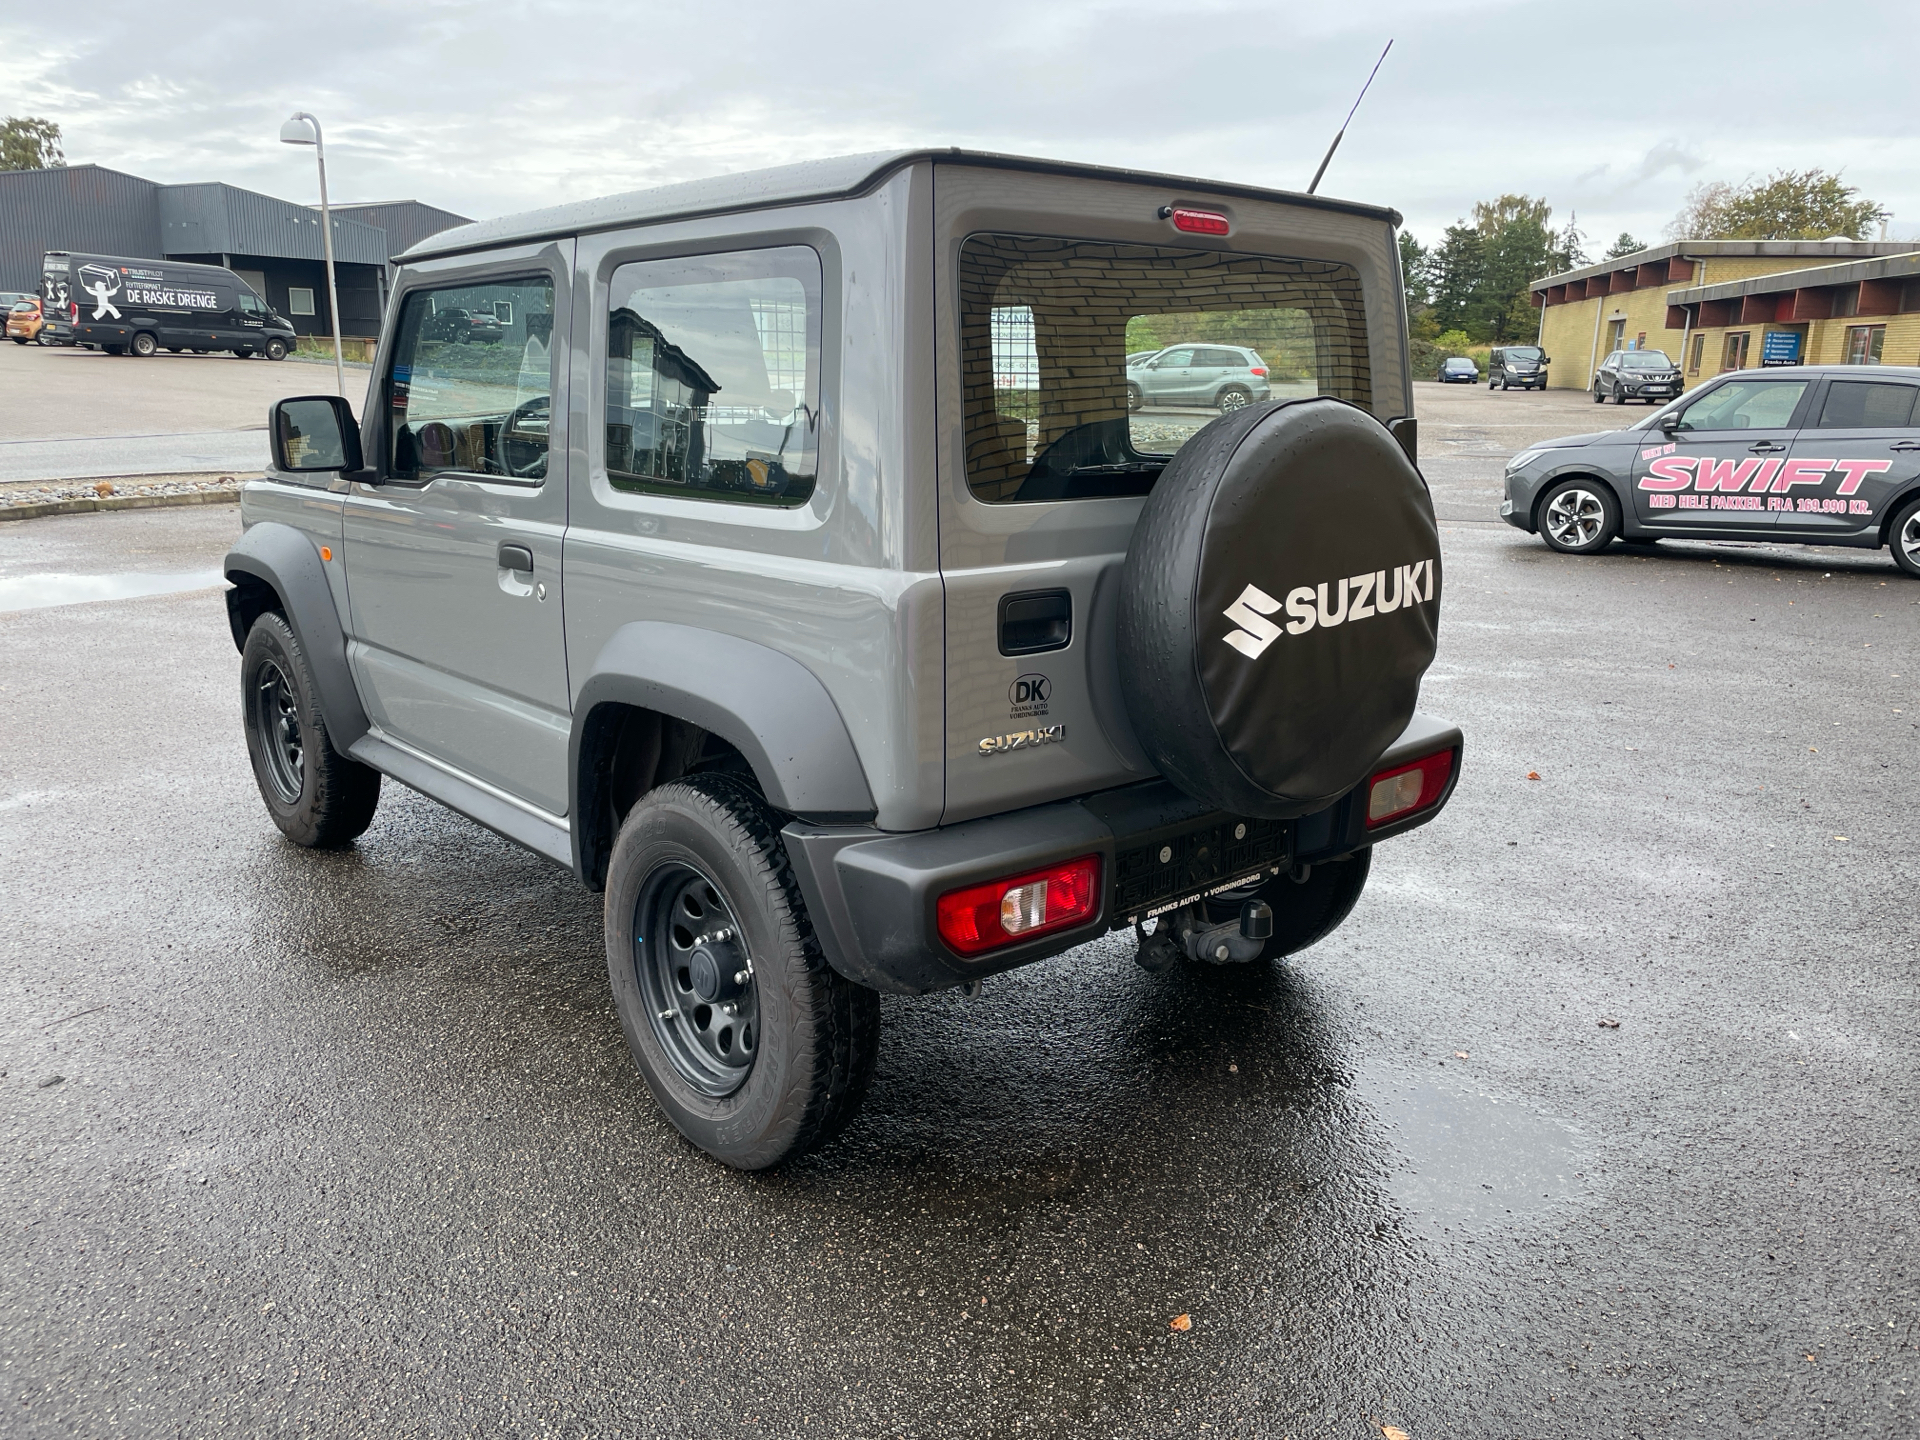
<point x="1279" y="603"/>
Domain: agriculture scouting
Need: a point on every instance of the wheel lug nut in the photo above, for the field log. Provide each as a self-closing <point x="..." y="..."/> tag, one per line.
<point x="740" y="977"/>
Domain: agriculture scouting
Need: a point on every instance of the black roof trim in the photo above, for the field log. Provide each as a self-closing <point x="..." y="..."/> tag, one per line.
<point x="812" y="182"/>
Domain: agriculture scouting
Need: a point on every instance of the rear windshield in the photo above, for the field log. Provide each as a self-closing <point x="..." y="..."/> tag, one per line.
<point x="1645" y="360"/>
<point x="1087" y="364"/>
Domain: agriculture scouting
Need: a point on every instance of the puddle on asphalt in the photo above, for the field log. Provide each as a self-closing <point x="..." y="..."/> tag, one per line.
<point x="1468" y="1161"/>
<point x="33" y="592"/>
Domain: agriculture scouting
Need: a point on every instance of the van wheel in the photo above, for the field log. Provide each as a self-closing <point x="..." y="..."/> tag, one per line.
<point x="754" y="1047"/>
<point x="173" y="349"/>
<point x="144" y="345"/>
<point x="1233" y="398"/>
<point x="113" y="349"/>
<point x="276" y="349"/>
<point x="1578" y="517"/>
<point x="243" y="354"/>
<point x="318" y="797"/>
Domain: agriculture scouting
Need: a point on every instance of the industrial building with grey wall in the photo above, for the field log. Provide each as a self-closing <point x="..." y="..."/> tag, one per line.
<point x="275" y="245"/>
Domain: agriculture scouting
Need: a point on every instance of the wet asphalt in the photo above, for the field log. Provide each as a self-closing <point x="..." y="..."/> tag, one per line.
<point x="350" y="1144"/>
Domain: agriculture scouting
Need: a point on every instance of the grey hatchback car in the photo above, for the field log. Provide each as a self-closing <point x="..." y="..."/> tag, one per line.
<point x="1220" y="377"/>
<point x="1814" y="455"/>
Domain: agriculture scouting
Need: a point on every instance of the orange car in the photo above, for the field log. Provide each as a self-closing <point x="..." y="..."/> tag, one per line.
<point x="24" y="322"/>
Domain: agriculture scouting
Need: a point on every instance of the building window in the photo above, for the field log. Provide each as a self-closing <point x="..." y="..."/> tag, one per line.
<point x="1699" y="350"/>
<point x="299" y="302"/>
<point x="1616" y="335"/>
<point x="1864" y="343"/>
<point x="1735" y="355"/>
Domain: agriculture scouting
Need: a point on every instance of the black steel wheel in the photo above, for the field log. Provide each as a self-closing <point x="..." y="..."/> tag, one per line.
<point x="754" y="1048"/>
<point x="317" y="796"/>
<point x="697" y="977"/>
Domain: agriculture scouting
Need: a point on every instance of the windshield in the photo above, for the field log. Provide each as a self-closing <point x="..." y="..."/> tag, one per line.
<point x="1053" y="408"/>
<point x="1523" y="352"/>
<point x="1645" y="360"/>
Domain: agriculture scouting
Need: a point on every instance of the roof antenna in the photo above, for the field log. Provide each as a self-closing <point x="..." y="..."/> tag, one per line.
<point x="1315" y="185"/>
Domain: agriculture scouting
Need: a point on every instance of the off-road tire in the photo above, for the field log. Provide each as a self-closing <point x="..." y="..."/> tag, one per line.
<point x="1585" y="527"/>
<point x="1903" y="538"/>
<point x="819" y="1032"/>
<point x="276" y="349"/>
<point x="335" y="797"/>
<point x="144" y="345"/>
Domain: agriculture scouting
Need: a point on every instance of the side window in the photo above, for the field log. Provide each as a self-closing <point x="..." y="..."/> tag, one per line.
<point x="250" y="303"/>
<point x="1745" y="405"/>
<point x="467" y="393"/>
<point x="1851" y="405"/>
<point x="713" y="376"/>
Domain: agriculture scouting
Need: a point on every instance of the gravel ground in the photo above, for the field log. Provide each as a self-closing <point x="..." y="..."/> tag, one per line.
<point x="40" y="492"/>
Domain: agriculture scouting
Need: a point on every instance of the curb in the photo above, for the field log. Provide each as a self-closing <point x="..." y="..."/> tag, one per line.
<point x="117" y="502"/>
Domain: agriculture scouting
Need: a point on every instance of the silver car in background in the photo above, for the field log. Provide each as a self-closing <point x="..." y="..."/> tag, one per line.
<point x="1220" y="377"/>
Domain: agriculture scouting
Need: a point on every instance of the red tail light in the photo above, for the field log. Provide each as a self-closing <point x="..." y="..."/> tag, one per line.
<point x="1199" y="222"/>
<point x="1407" y="788"/>
<point x="1020" y="907"/>
<point x="1259" y="370"/>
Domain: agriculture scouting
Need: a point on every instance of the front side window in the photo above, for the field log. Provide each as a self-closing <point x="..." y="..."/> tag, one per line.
<point x="1085" y="365"/>
<point x="250" y="303"/>
<point x="1855" y="405"/>
<point x="713" y="376"/>
<point x="1745" y="405"/>
<point x="467" y="393"/>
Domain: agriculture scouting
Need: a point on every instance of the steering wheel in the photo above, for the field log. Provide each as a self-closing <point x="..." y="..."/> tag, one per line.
<point x="532" y="463"/>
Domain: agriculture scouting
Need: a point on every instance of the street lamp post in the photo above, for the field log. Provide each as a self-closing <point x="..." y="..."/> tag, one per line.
<point x="296" y="132"/>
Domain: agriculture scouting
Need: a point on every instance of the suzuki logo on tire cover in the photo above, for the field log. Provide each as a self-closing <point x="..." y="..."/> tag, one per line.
<point x="1330" y="603"/>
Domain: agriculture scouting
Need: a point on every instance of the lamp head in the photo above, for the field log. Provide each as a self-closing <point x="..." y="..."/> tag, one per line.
<point x="297" y="131"/>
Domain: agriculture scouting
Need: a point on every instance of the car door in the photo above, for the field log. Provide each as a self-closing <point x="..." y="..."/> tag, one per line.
<point x="1719" y="467"/>
<point x="453" y="552"/>
<point x="1171" y="376"/>
<point x="1858" y="451"/>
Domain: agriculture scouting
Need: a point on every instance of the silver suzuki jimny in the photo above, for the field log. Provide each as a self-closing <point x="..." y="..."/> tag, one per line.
<point x="794" y="566"/>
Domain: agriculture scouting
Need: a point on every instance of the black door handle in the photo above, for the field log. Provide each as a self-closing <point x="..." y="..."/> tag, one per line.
<point x="516" y="557"/>
<point x="1761" y="447"/>
<point x="1906" y="445"/>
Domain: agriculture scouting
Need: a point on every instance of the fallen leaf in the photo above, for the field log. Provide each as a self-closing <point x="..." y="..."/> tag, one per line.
<point x="1533" y="774"/>
<point x="1813" y="749"/>
<point x="1607" y="1022"/>
<point x="1840" y="837"/>
<point x="1394" y="1432"/>
<point x="1180" y="1322"/>
<point x="1461" y="1055"/>
<point x="103" y="489"/>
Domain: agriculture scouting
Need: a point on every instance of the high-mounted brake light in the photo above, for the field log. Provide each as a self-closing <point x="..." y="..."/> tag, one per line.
<point x="1196" y="222"/>
<point x="1020" y="907"/>
<point x="1408" y="788"/>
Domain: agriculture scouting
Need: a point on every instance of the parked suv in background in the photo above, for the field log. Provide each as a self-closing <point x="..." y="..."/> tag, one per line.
<point x="1812" y="455"/>
<point x="1521" y="367"/>
<point x="1459" y="370"/>
<point x="1647" y="375"/>
<point x="1222" y="377"/>
<point x="855" y="637"/>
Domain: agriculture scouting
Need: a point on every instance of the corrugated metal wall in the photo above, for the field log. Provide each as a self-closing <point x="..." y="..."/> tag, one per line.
<point x="407" y="222"/>
<point x="215" y="219"/>
<point x="78" y="207"/>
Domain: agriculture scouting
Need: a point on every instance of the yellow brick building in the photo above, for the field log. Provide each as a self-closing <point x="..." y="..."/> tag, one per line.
<point x="1687" y="297"/>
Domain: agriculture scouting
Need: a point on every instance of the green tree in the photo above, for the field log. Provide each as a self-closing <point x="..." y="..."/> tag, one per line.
<point x="30" y="143"/>
<point x="1459" y="275"/>
<point x="1416" y="264"/>
<point x="1625" y="244"/>
<point x="1491" y="217"/>
<point x="1788" y="205"/>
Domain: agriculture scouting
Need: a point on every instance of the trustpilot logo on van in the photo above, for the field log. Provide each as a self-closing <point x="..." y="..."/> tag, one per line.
<point x="1330" y="603"/>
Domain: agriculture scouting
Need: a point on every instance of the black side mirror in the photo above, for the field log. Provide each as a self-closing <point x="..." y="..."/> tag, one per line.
<point x="314" y="432"/>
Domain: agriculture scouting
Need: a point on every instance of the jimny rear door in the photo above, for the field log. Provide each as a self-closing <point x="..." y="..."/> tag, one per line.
<point x="1044" y="285"/>
<point x="1720" y="468"/>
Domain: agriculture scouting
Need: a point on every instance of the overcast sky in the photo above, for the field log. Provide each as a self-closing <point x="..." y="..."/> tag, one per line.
<point x="1610" y="111"/>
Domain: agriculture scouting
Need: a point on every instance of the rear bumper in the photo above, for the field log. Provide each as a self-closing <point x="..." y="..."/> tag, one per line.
<point x="871" y="895"/>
